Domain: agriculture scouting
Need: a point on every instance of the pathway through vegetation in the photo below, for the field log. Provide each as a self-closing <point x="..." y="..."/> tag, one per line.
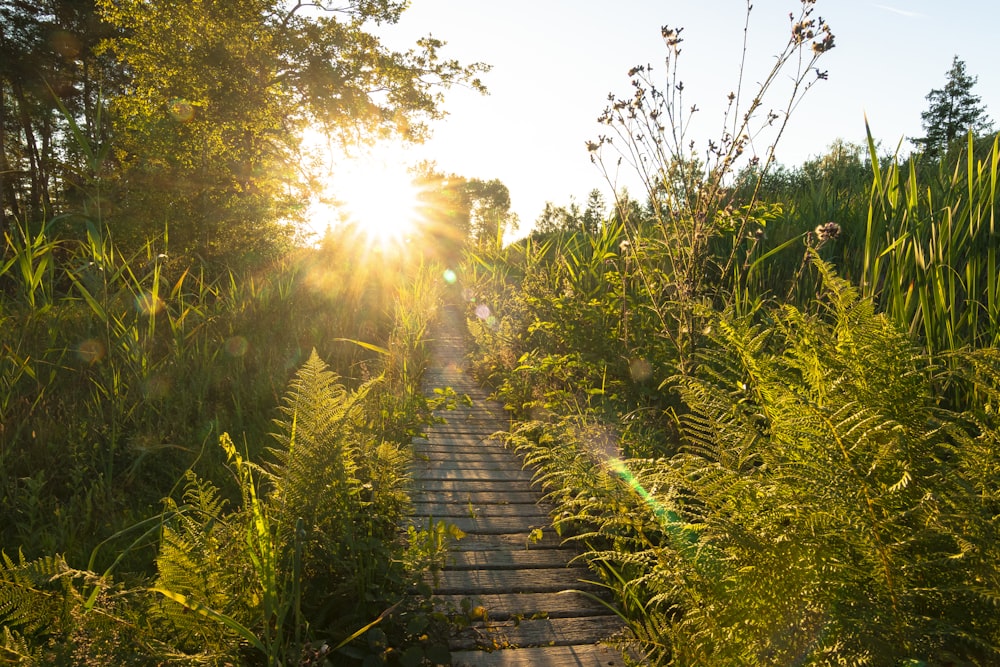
<point x="511" y="562"/>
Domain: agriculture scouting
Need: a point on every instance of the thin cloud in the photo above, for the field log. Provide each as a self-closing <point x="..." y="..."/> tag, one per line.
<point x="902" y="12"/>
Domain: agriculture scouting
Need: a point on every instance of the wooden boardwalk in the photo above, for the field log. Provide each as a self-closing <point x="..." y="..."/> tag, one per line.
<point x="523" y="581"/>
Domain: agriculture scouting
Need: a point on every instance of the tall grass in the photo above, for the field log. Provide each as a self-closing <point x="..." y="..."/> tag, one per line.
<point x="119" y="371"/>
<point x="310" y="534"/>
<point x="930" y="247"/>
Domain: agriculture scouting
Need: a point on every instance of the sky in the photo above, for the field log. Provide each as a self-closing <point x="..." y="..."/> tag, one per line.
<point x="554" y="62"/>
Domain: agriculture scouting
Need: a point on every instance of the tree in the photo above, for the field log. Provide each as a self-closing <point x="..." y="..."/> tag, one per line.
<point x="220" y="94"/>
<point x="490" y="216"/>
<point x="555" y="219"/>
<point x="48" y="71"/>
<point x="953" y="111"/>
<point x="594" y="214"/>
<point x="444" y="214"/>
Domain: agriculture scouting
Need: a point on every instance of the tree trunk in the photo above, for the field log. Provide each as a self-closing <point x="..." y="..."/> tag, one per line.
<point x="33" y="207"/>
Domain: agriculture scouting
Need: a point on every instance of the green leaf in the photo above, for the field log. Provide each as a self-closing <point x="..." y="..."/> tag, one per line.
<point x="213" y="615"/>
<point x="412" y="657"/>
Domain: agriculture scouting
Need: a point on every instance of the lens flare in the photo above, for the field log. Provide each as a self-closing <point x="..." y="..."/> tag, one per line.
<point x="90" y="351"/>
<point x="236" y="346"/>
<point x="685" y="538"/>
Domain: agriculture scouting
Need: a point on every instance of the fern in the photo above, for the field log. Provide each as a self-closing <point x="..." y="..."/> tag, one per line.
<point x="15" y="649"/>
<point x="315" y="471"/>
<point x="47" y="620"/>
<point x="823" y="508"/>
<point x="203" y="559"/>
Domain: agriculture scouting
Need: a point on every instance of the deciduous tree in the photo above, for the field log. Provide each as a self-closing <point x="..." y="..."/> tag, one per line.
<point x="221" y="91"/>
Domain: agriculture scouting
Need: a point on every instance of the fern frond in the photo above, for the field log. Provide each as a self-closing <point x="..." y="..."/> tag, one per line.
<point x="202" y="559"/>
<point x="15" y="649"/>
<point x="36" y="596"/>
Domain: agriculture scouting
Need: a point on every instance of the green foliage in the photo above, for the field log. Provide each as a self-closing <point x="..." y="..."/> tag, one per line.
<point x="343" y="489"/>
<point x="52" y="614"/>
<point x="199" y="111"/>
<point x="118" y="369"/>
<point x="823" y="508"/>
<point x="259" y="569"/>
<point x="203" y="575"/>
<point x="47" y="66"/>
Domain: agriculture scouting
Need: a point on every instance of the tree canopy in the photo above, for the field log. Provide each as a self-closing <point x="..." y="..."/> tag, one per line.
<point x="201" y="107"/>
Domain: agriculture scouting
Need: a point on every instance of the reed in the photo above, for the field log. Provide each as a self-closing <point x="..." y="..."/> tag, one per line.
<point x="930" y="251"/>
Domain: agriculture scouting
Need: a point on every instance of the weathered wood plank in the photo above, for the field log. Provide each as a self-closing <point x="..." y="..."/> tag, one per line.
<point x="470" y="469"/>
<point x="499" y="525"/>
<point x="475" y="496"/>
<point x="475" y="460"/>
<point x="428" y="473"/>
<point x="482" y="433"/>
<point x="459" y="442"/>
<point x="538" y="580"/>
<point x="502" y="606"/>
<point x="516" y="540"/>
<point x="581" y="655"/>
<point x="467" y="459"/>
<point x="506" y="559"/>
<point x="444" y="510"/>
<point x="458" y="457"/>
<point x="473" y="485"/>
<point x="518" y="633"/>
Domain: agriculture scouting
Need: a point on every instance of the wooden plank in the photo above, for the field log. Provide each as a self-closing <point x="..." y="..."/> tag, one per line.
<point x="469" y="444"/>
<point x="455" y="439"/>
<point x="467" y="454"/>
<point x="481" y="432"/>
<point x="472" y="461"/>
<point x="464" y="418"/>
<point x="462" y="415"/>
<point x="522" y="510"/>
<point x="464" y="456"/>
<point x="539" y="580"/>
<point x="506" y="559"/>
<point x="428" y="474"/>
<point x="516" y="540"/>
<point x="467" y="460"/>
<point x="437" y="466"/>
<point x="431" y="485"/>
<point x="517" y="633"/>
<point x="477" y="497"/>
<point x="584" y="655"/>
<point x="502" y="606"/>
<point x="499" y="525"/>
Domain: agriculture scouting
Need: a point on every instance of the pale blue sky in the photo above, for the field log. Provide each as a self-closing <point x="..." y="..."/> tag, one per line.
<point x="555" y="61"/>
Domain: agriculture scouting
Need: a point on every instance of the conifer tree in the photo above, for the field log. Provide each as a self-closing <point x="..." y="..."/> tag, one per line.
<point x="954" y="111"/>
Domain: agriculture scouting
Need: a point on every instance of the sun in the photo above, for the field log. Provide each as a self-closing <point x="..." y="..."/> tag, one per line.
<point x="378" y="196"/>
<point x="372" y="191"/>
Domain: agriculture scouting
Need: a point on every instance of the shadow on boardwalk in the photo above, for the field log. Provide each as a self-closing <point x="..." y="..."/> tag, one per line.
<point x="535" y="614"/>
